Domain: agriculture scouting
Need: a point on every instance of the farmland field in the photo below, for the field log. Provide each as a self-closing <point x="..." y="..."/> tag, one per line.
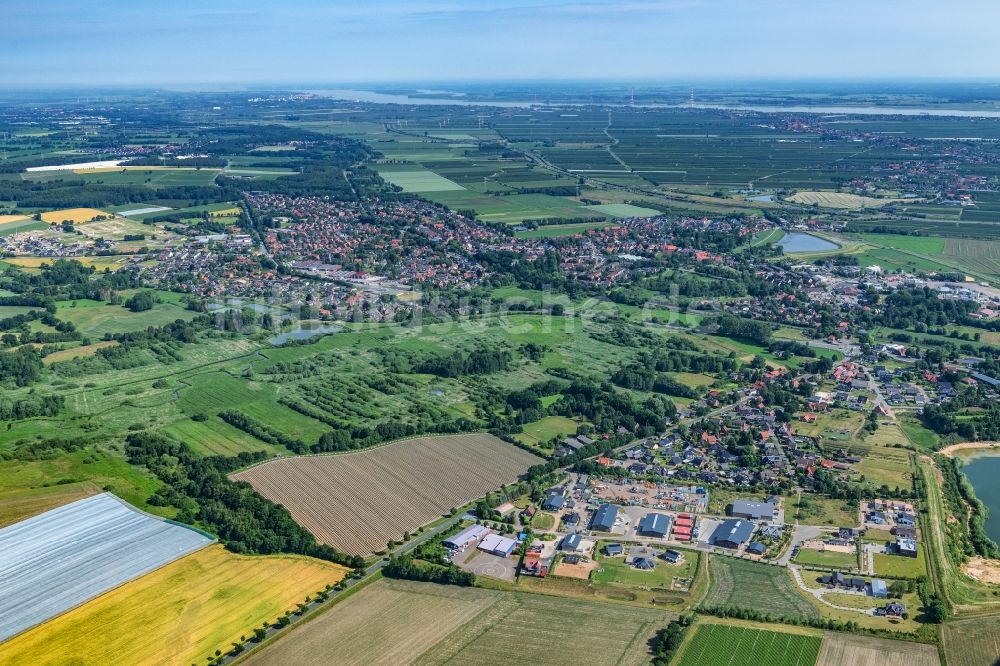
<point x="625" y="210"/>
<point x="559" y="230"/>
<point x="179" y="614"/>
<point x="743" y="584"/>
<point x="75" y="215"/>
<point x="215" y="437"/>
<point x="76" y="552"/>
<point x="403" y="622"/>
<point x="357" y="502"/>
<point x="841" y="649"/>
<point x="837" y="200"/>
<point x="419" y="180"/>
<point x="18" y="225"/>
<point x="81" y="351"/>
<point x="18" y="505"/>
<point x="722" y="645"/>
<point x="974" y="642"/>
<point x="95" y="318"/>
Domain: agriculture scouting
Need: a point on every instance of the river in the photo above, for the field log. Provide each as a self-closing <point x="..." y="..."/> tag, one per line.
<point x="384" y="98"/>
<point x="983" y="470"/>
<point x="799" y="242"/>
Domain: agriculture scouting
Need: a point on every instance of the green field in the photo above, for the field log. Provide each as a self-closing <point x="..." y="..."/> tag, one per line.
<point x="545" y="429"/>
<point x="560" y="230"/>
<point x="765" y="588"/>
<point x="974" y="642"/>
<point x="215" y="437"/>
<point x="723" y="645"/>
<point x="625" y="210"/>
<point x="513" y="208"/>
<point x="94" y="319"/>
<point x="419" y="180"/>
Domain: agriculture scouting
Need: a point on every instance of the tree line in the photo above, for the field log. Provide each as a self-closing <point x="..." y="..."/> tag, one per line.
<point x="199" y="487"/>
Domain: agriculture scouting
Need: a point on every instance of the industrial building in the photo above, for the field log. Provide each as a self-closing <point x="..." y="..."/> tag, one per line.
<point x="654" y="525"/>
<point x="604" y="518"/>
<point x="753" y="510"/>
<point x="732" y="533"/>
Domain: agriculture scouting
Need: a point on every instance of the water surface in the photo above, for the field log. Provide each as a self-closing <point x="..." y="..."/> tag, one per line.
<point x="799" y="242"/>
<point x="983" y="470"/>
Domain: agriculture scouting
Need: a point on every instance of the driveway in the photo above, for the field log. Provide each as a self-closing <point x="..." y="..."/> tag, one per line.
<point x="801" y="533"/>
<point x="821" y="592"/>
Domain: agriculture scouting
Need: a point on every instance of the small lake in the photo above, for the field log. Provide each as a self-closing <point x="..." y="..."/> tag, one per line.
<point x="983" y="470"/>
<point x="301" y="332"/>
<point x="799" y="242"/>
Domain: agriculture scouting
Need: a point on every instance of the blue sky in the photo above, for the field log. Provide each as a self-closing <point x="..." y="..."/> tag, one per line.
<point x="178" y="42"/>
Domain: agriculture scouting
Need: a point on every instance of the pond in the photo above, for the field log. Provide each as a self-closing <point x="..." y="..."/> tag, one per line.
<point x="983" y="469"/>
<point x="302" y="332"/>
<point x="799" y="242"/>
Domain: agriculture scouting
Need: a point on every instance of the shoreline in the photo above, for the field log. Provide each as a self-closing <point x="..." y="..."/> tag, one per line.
<point x="949" y="451"/>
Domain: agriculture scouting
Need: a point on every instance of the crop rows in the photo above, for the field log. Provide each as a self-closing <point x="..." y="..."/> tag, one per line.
<point x="404" y="622"/>
<point x="723" y="645"/>
<point x="741" y="584"/>
<point x="358" y="502"/>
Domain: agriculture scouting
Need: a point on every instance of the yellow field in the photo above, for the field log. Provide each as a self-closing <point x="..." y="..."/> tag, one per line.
<point x="83" y="350"/>
<point x="179" y="614"/>
<point x="837" y="200"/>
<point x="6" y="219"/>
<point x="99" y="263"/>
<point x="74" y="215"/>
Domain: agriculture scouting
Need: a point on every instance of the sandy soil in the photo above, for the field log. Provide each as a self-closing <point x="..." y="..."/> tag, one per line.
<point x="968" y="446"/>
<point x="983" y="570"/>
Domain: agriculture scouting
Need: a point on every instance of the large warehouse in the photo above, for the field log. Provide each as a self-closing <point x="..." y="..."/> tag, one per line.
<point x="654" y="525"/>
<point x="732" y="533"/>
<point x="604" y="518"/>
<point x="753" y="510"/>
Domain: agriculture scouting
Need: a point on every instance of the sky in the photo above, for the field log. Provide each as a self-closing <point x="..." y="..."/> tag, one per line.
<point x="258" y="42"/>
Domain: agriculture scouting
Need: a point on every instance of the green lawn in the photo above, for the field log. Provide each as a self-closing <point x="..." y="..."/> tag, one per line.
<point x="827" y="558"/>
<point x="614" y="571"/>
<point x="899" y="566"/>
<point x="545" y="429"/>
